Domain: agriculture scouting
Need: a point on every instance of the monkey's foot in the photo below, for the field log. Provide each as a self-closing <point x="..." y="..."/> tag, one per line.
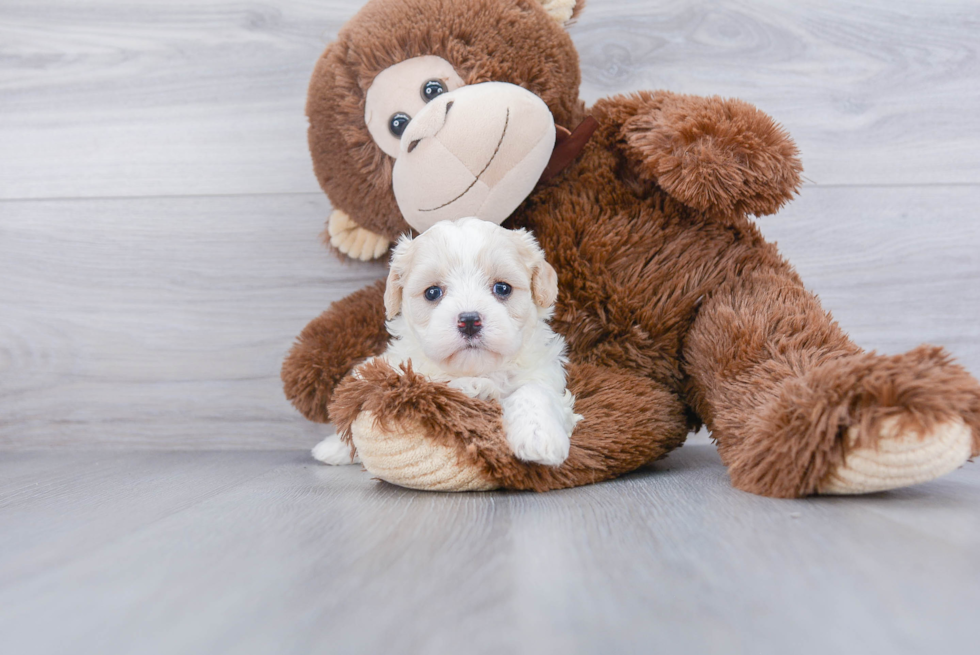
<point x="900" y="458"/>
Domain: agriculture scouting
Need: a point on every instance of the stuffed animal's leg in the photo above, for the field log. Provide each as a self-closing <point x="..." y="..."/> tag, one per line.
<point x="422" y="434"/>
<point x="798" y="409"/>
<point x="350" y="331"/>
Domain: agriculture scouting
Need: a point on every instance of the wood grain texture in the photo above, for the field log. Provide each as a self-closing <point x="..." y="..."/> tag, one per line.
<point x="896" y="267"/>
<point x="160" y="322"/>
<point x="128" y="98"/>
<point x="267" y="552"/>
<point x="873" y="91"/>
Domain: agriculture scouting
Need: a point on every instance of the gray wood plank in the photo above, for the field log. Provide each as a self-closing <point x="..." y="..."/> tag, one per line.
<point x="304" y="558"/>
<point x="161" y="323"/>
<point x="873" y="91"/>
<point x="76" y="504"/>
<point x="128" y="98"/>
<point x="896" y="267"/>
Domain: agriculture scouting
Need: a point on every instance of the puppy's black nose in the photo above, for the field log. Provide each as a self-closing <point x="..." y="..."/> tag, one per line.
<point x="469" y="323"/>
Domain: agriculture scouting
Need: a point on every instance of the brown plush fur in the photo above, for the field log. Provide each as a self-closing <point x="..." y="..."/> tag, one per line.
<point x="352" y="330"/>
<point x="674" y="307"/>
<point x="648" y="416"/>
<point x="713" y="155"/>
<point x="405" y="398"/>
<point x="483" y="39"/>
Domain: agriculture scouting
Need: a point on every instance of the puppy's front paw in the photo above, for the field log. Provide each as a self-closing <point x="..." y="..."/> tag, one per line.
<point x="535" y="431"/>
<point x="536" y="441"/>
<point x="335" y="452"/>
<point x="481" y="388"/>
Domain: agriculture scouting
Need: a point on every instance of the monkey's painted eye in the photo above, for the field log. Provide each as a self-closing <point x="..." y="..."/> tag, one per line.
<point x="432" y="89"/>
<point x="433" y="294"/>
<point x="501" y="289"/>
<point x="398" y="122"/>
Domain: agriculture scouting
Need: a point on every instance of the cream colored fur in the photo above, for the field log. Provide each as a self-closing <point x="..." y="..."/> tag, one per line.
<point x="515" y="359"/>
<point x="335" y="452"/>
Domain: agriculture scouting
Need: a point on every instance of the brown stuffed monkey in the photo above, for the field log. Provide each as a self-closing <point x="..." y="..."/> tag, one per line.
<point x="675" y="310"/>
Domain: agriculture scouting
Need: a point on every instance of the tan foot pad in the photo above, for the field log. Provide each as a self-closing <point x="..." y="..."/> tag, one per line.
<point x="901" y="459"/>
<point x="353" y="240"/>
<point x="409" y="459"/>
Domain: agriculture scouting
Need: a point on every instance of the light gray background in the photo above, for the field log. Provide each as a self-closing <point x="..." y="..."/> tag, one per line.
<point x="159" y="226"/>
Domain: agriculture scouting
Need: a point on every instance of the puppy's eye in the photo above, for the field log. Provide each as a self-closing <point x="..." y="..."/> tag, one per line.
<point x="501" y="289"/>
<point x="433" y="294"/>
<point x="432" y="90"/>
<point x="398" y="122"/>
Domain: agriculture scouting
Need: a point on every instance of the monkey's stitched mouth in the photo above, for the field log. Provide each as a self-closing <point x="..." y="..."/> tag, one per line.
<point x="482" y="171"/>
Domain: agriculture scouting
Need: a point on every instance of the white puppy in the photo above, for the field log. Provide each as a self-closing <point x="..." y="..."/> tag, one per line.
<point x="468" y="303"/>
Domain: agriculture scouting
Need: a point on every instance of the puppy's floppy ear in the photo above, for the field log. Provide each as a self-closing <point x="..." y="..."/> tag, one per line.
<point x="401" y="259"/>
<point x="544" y="285"/>
<point x="544" y="279"/>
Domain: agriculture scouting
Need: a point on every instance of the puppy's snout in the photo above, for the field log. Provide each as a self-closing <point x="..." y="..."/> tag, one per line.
<point x="469" y="324"/>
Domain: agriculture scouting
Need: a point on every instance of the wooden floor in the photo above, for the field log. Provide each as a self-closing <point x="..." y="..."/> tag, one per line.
<point x="267" y="552"/>
<point x="159" y="250"/>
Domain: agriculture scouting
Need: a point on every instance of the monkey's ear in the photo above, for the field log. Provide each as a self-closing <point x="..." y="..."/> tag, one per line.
<point x="563" y="11"/>
<point x="353" y="240"/>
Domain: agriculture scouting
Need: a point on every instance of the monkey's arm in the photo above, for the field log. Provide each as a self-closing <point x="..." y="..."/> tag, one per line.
<point x="331" y="345"/>
<point x="712" y="154"/>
